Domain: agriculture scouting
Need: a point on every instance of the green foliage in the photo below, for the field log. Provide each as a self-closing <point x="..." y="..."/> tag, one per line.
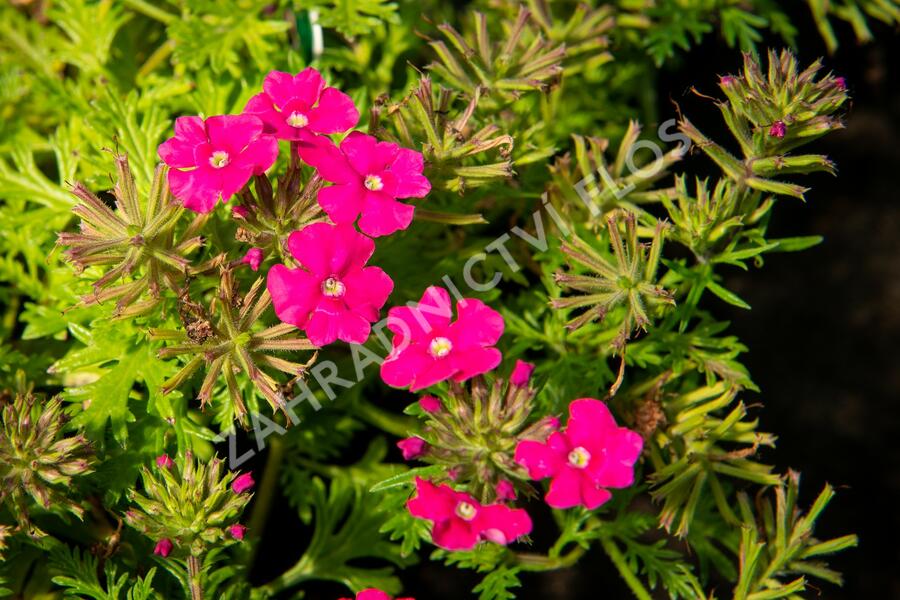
<point x="159" y="339"/>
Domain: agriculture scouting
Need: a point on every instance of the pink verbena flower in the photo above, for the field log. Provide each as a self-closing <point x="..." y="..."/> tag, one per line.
<point x="163" y="547"/>
<point x="460" y="522"/>
<point x="299" y="107"/>
<point x="521" y="373"/>
<point x="428" y="348"/>
<point x="369" y="176"/>
<point x="373" y="594"/>
<point x="412" y="447"/>
<point x="213" y="159"/>
<point x="253" y="258"/>
<point x="335" y="295"/>
<point x="242" y="483"/>
<point x="430" y="404"/>
<point x="592" y="453"/>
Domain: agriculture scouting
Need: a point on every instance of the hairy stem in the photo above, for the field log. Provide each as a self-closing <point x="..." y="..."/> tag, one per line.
<point x="194" y="577"/>
<point x="264" y="496"/>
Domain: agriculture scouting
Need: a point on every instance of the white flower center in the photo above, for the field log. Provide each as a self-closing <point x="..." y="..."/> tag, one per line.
<point x="440" y="347"/>
<point x="465" y="511"/>
<point x="219" y="159"/>
<point x="374" y="183"/>
<point x="579" y="458"/>
<point x="333" y="287"/>
<point x="298" y="120"/>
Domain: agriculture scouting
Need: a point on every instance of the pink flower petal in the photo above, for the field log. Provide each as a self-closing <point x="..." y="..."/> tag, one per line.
<point x="382" y="215"/>
<point x="342" y="203"/>
<point x="367" y="290"/>
<point x="436" y="371"/>
<point x="400" y="370"/>
<point x="294" y="294"/>
<point x="477" y="325"/>
<point x="283" y="87"/>
<point x="454" y="534"/>
<point x="372" y="594"/>
<point x="194" y="192"/>
<point x="589" y="421"/>
<point x="335" y="113"/>
<point x="259" y="155"/>
<point x="593" y="496"/>
<point x="412" y="447"/>
<point x="469" y="362"/>
<point x="233" y="133"/>
<point x="565" y="489"/>
<point x="501" y="524"/>
<point x="432" y="502"/>
<point x="538" y="459"/>
<point x="430" y="404"/>
<point x="366" y="154"/>
<point x="407" y="170"/>
<point x="321" y="153"/>
<point x="521" y="373"/>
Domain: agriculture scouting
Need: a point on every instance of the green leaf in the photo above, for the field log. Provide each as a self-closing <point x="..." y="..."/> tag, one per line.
<point x="726" y="295"/>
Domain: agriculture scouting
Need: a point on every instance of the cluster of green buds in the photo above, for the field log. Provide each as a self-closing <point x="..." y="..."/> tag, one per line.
<point x="472" y="433"/>
<point x="267" y="217"/>
<point x="583" y="33"/>
<point x="37" y="460"/>
<point x="139" y="240"/>
<point x="226" y="339"/>
<point x="770" y="114"/>
<point x="188" y="509"/>
<point x="586" y="181"/>
<point x="627" y="278"/>
<point x="440" y="124"/>
<point x="522" y="61"/>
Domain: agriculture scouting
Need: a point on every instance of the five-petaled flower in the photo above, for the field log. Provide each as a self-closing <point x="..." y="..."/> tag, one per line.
<point x="299" y="107"/>
<point x="335" y="295"/>
<point x="213" y="159"/>
<point x="460" y="522"/>
<point x="592" y="453"/>
<point x="373" y="594"/>
<point x="369" y="176"/>
<point x="428" y="348"/>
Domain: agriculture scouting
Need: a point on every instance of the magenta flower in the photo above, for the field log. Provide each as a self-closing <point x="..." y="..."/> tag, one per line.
<point x="242" y="483"/>
<point x="430" y="404"/>
<point x="334" y="296"/>
<point x="460" y="522"/>
<point x="428" y="348"/>
<point x="412" y="447"/>
<point x="237" y="531"/>
<point x="213" y="159"/>
<point x="164" y="462"/>
<point x="163" y="547"/>
<point x="299" y="107"/>
<point x="253" y="258"/>
<point x="593" y="453"/>
<point x="778" y="129"/>
<point x="505" y="490"/>
<point x="841" y="83"/>
<point x="373" y="594"/>
<point x="369" y="176"/>
<point x="521" y="373"/>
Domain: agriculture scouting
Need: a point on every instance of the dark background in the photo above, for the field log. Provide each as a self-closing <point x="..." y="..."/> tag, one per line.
<point x="823" y="331"/>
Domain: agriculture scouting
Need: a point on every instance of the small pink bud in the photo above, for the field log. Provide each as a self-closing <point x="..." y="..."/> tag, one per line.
<point x="553" y="422"/>
<point x="521" y="373"/>
<point x="726" y="80"/>
<point x="430" y="404"/>
<point x="237" y="531"/>
<point x="505" y="490"/>
<point x="243" y="483"/>
<point x="778" y="129"/>
<point x="163" y="547"/>
<point x="412" y="447"/>
<point x="239" y="212"/>
<point x="164" y="462"/>
<point x="253" y="258"/>
<point x="841" y="83"/>
<point x="453" y="473"/>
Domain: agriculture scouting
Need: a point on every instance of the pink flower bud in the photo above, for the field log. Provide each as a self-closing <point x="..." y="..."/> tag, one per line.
<point x="778" y="129"/>
<point x="239" y="212"/>
<point x="164" y="462"/>
<point x="521" y="373"/>
<point x="237" y="531"/>
<point x="412" y="447"/>
<point x="430" y="404"/>
<point x="163" y="547"/>
<point x="453" y="473"/>
<point x="243" y="483"/>
<point x="726" y="80"/>
<point x="505" y="490"/>
<point x="841" y="83"/>
<point x="253" y="258"/>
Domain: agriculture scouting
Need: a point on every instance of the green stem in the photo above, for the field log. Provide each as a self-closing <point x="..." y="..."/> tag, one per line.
<point x="194" y="577"/>
<point x="297" y="574"/>
<point x="264" y="496"/>
<point x="540" y="562"/>
<point x="615" y="555"/>
<point x="398" y="425"/>
<point x="151" y="11"/>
